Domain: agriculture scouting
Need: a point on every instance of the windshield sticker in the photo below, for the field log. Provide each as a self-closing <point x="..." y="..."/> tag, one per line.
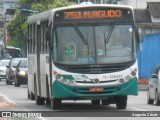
<point x="69" y="51"/>
<point x="71" y="47"/>
<point x="130" y="29"/>
<point x="99" y="52"/>
<point x="91" y="60"/>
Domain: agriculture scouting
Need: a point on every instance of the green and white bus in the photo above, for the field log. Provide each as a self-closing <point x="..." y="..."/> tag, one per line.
<point x="83" y="52"/>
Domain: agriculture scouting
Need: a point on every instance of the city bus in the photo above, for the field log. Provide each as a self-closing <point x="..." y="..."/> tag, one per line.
<point x="13" y="52"/>
<point x="83" y="52"/>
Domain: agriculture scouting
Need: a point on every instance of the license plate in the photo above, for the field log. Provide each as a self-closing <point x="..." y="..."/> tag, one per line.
<point x="96" y="89"/>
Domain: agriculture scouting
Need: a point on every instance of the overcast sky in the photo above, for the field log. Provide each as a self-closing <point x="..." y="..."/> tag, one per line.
<point x="137" y="3"/>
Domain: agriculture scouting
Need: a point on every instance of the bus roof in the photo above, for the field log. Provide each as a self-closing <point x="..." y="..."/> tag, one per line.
<point x="48" y="15"/>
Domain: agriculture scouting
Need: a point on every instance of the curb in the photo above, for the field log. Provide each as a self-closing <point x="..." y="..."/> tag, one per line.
<point x="6" y="102"/>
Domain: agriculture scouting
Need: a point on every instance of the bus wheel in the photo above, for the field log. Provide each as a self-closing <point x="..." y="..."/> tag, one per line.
<point x="121" y="102"/>
<point x="29" y="96"/>
<point x="56" y="103"/>
<point x="40" y="100"/>
<point x="6" y="81"/>
<point x="95" y="102"/>
<point x="32" y="96"/>
<point x="105" y="102"/>
<point x="48" y="102"/>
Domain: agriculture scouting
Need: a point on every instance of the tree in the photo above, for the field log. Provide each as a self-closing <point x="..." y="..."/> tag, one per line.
<point x="17" y="26"/>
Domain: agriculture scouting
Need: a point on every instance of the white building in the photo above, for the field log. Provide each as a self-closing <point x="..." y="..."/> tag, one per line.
<point x="136" y="3"/>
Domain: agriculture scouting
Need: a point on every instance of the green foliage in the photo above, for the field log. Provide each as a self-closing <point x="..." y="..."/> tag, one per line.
<point x="17" y="26"/>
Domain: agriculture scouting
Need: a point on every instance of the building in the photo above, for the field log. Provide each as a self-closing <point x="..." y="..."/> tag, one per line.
<point x="148" y="20"/>
<point x="9" y="7"/>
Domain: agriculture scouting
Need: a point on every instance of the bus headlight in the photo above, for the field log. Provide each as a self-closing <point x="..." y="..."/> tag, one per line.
<point x="61" y="79"/>
<point x="22" y="73"/>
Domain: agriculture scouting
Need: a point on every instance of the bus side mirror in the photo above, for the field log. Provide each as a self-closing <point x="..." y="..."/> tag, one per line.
<point x="47" y="34"/>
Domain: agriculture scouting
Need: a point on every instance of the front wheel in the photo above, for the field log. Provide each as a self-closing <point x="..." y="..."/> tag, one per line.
<point x="121" y="102"/>
<point x="56" y="103"/>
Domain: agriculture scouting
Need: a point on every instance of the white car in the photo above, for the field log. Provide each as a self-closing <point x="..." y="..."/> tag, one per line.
<point x="3" y="64"/>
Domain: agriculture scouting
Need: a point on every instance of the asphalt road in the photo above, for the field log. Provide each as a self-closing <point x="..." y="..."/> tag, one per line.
<point x="15" y="99"/>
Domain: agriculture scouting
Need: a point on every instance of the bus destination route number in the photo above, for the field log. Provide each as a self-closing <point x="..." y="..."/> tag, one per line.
<point x="92" y="14"/>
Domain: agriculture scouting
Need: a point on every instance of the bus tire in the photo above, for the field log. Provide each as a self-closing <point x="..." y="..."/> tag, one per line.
<point x="29" y="96"/>
<point x="39" y="100"/>
<point x="32" y="96"/>
<point x="6" y="81"/>
<point x="121" y="102"/>
<point x="95" y="102"/>
<point x="56" y="103"/>
<point x="48" y="102"/>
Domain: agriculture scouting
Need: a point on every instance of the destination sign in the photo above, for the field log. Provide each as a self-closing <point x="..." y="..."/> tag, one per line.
<point x="92" y="14"/>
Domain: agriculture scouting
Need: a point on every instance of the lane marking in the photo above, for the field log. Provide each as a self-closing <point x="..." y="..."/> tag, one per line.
<point x="137" y="109"/>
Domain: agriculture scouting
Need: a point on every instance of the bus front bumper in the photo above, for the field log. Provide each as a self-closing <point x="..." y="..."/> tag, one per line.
<point x="63" y="91"/>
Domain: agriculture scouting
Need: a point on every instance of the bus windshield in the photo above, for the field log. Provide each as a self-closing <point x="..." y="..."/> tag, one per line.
<point x="94" y="44"/>
<point x="14" y="52"/>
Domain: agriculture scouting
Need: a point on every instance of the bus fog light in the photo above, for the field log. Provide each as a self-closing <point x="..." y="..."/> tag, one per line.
<point x="58" y="76"/>
<point x="133" y="73"/>
<point x="69" y="82"/>
<point x="121" y="80"/>
<point x="127" y="77"/>
<point x="63" y="80"/>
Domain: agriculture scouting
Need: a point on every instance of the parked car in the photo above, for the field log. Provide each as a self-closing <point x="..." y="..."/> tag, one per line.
<point x="10" y="75"/>
<point x="21" y="72"/>
<point x="3" y="64"/>
<point x="153" y="94"/>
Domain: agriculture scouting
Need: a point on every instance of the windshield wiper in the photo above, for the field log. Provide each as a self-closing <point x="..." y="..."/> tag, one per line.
<point x="80" y="34"/>
<point x="85" y="41"/>
<point x="109" y="34"/>
<point x="106" y="40"/>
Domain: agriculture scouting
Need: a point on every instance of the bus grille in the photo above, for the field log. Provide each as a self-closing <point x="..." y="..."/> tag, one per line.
<point x="94" y="82"/>
<point x="95" y="68"/>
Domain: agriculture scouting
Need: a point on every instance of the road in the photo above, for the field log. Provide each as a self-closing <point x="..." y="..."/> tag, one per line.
<point x="18" y="97"/>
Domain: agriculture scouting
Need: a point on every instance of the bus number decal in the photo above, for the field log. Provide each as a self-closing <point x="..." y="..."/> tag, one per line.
<point x="112" y="77"/>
